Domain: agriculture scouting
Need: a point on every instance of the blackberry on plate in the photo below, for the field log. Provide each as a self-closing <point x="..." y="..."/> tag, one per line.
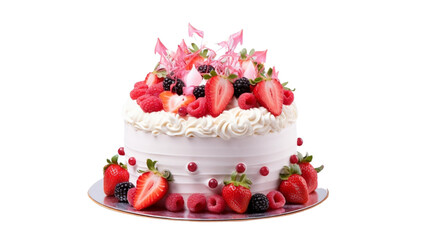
<point x="121" y="191"/>
<point x="205" y="68"/>
<point x="199" y="91"/>
<point x="258" y="203"/>
<point x="167" y="82"/>
<point x="178" y="87"/>
<point x="241" y="86"/>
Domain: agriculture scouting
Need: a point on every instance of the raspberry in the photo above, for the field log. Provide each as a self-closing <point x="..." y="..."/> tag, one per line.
<point x="241" y="86"/>
<point x="247" y="101"/>
<point x="197" y="202"/>
<point x="140" y="84"/>
<point x="276" y="199"/>
<point x="130" y="196"/>
<point x="216" y="204"/>
<point x="174" y="202"/>
<point x="198" y="108"/>
<point x="121" y="191"/>
<point x="142" y="98"/>
<point x="178" y="87"/>
<point x="288" y="97"/>
<point x="138" y="92"/>
<point x="205" y="68"/>
<point x="258" y="203"/>
<point x="155" y="89"/>
<point x="151" y="104"/>
<point x="167" y="82"/>
<point x="199" y="91"/>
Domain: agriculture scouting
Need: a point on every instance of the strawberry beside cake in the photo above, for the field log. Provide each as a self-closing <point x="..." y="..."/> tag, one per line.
<point x="209" y="130"/>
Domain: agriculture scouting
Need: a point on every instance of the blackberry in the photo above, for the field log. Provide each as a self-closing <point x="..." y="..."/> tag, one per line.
<point x="121" y="191"/>
<point x="199" y="91"/>
<point x="167" y="82"/>
<point x="205" y="68"/>
<point x="178" y="88"/>
<point x="241" y="86"/>
<point x="258" y="203"/>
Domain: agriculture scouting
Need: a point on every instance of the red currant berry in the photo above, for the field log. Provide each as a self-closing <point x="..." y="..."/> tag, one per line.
<point x="213" y="183"/>
<point x="240" y="168"/>
<point x="192" y="166"/>
<point x="182" y="111"/>
<point x="121" y="151"/>
<point x="132" y="161"/>
<point x="293" y="159"/>
<point x="299" y="141"/>
<point x="264" y="171"/>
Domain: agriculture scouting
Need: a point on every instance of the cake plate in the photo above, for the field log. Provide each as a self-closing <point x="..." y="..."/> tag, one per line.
<point x="97" y="195"/>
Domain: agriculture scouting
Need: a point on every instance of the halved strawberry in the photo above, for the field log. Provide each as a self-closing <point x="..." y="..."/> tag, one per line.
<point x="172" y="101"/>
<point x="151" y="79"/>
<point x="151" y="186"/>
<point x="219" y="92"/>
<point x="269" y="94"/>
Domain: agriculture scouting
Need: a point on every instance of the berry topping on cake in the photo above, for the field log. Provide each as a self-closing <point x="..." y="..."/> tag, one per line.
<point x="269" y="94"/>
<point x="192" y="167"/>
<point x="199" y="91"/>
<point x="167" y="83"/>
<point x="142" y="98"/>
<point x="293" y="185"/>
<point x="276" y="199"/>
<point x="241" y="86"/>
<point x="182" y="111"/>
<point x="205" y="68"/>
<point x="140" y="84"/>
<point x="121" y="191"/>
<point x="139" y="91"/>
<point x="219" y="92"/>
<point x="247" y="101"/>
<point x="299" y="142"/>
<point x="308" y="172"/>
<point x="151" y="104"/>
<point x="196" y="203"/>
<point x="172" y="102"/>
<point x="216" y="204"/>
<point x="121" y="151"/>
<point x="198" y="108"/>
<point x="264" y="171"/>
<point x="236" y="192"/>
<point x="151" y="79"/>
<point x="114" y="173"/>
<point x="152" y="186"/>
<point x="293" y="159"/>
<point x="174" y="202"/>
<point x="240" y="168"/>
<point x="130" y="196"/>
<point x="132" y="161"/>
<point x="178" y="87"/>
<point x="258" y="203"/>
<point x="288" y="97"/>
<point x="213" y="183"/>
<point x="155" y="89"/>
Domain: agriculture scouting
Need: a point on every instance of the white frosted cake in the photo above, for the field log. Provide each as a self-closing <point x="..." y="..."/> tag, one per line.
<point x="211" y="130"/>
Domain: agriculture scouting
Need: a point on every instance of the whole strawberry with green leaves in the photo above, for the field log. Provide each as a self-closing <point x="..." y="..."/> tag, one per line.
<point x="293" y="186"/>
<point x="236" y="192"/>
<point x="308" y="172"/>
<point x="114" y="173"/>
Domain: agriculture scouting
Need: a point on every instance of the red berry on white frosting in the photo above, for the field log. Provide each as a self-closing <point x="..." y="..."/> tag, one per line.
<point x="293" y="159"/>
<point x="192" y="166"/>
<point x="121" y="151"/>
<point x="299" y="141"/>
<point x="213" y="183"/>
<point x="264" y="171"/>
<point x="240" y="168"/>
<point x="132" y="161"/>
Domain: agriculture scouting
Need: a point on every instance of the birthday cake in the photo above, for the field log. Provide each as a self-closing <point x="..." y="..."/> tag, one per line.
<point x="210" y="130"/>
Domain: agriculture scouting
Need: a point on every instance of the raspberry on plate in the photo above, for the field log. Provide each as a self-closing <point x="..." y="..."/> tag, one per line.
<point x="197" y="202"/>
<point x="216" y="204"/>
<point x="174" y="202"/>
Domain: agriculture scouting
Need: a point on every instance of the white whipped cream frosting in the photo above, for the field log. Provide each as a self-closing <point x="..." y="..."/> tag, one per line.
<point x="232" y="123"/>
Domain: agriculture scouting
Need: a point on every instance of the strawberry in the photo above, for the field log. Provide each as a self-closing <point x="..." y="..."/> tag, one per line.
<point x="151" y="186"/>
<point x="288" y="97"/>
<point x="236" y="193"/>
<point x="219" y="92"/>
<point x="308" y="172"/>
<point x="172" y="101"/>
<point x="114" y="173"/>
<point x="269" y="93"/>
<point x="151" y="79"/>
<point x="293" y="186"/>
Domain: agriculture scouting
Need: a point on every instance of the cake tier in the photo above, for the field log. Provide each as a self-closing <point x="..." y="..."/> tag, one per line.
<point x="215" y="158"/>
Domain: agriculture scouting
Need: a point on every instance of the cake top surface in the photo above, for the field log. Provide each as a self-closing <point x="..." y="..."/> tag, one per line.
<point x="194" y="91"/>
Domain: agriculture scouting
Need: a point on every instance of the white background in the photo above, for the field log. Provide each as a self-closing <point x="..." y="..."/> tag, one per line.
<point x="66" y="68"/>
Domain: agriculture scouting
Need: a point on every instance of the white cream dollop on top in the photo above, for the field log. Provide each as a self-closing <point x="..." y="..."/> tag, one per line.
<point x="234" y="122"/>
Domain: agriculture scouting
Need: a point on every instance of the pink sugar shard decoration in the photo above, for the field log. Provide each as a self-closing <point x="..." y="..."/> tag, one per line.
<point x="160" y="48"/>
<point x="275" y="73"/>
<point x="192" y="30"/>
<point x="260" y="56"/>
<point x="232" y="42"/>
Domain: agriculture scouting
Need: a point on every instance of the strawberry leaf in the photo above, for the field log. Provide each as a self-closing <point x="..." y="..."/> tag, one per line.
<point x="243" y="53"/>
<point x="269" y="72"/>
<point x="207" y="76"/>
<point x="233" y="76"/>
<point x="252" y="51"/>
<point x="319" y="169"/>
<point x="213" y="73"/>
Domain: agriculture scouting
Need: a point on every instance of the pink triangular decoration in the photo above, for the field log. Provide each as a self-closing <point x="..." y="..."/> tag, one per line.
<point x="192" y="30"/>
